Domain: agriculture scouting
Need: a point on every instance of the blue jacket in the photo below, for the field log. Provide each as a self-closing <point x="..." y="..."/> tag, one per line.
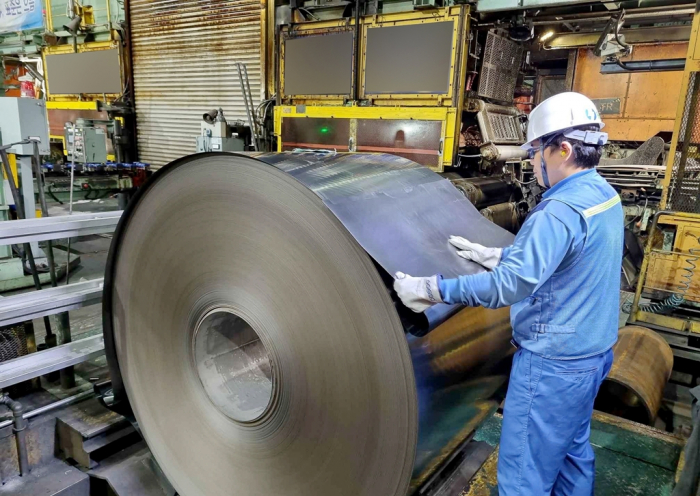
<point x="561" y="276"/>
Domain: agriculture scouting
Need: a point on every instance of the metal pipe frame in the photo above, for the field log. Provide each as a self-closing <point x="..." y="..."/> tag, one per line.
<point x="65" y="226"/>
<point x="27" y="306"/>
<point x="19" y="208"/>
<point x="52" y="406"/>
<point x="44" y="362"/>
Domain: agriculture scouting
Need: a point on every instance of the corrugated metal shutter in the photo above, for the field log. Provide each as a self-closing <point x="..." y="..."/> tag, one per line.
<point x="184" y="53"/>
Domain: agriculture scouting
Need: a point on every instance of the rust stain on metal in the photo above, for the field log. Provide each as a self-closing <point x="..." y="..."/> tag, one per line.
<point x="648" y="99"/>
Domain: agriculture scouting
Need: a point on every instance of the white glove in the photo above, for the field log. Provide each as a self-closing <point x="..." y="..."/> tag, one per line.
<point x="487" y="257"/>
<point x="417" y="293"/>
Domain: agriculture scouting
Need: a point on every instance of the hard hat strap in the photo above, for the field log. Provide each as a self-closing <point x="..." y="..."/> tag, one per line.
<point x="543" y="163"/>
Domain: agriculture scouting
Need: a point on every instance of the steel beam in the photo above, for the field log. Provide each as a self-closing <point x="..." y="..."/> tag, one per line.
<point x="66" y="226"/>
<point x="27" y="306"/>
<point x="43" y="362"/>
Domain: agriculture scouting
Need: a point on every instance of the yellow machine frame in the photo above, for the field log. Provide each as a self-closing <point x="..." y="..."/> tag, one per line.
<point x="673" y="272"/>
<point x="444" y="114"/>
<point x="446" y="108"/>
<point x="457" y="73"/>
<point x="78" y="102"/>
<point x="314" y="29"/>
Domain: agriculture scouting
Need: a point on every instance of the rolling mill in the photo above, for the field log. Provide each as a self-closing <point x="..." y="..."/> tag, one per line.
<point x="208" y="208"/>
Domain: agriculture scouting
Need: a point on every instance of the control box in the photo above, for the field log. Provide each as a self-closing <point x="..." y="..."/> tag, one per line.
<point x="88" y="146"/>
<point x="21" y="119"/>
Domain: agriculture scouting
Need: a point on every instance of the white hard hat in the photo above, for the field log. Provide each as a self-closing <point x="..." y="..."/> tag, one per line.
<point x="561" y="113"/>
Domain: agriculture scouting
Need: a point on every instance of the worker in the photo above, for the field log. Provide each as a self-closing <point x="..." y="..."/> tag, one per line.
<point x="561" y="277"/>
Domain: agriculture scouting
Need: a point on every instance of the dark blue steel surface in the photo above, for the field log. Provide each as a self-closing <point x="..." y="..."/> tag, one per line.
<point x="400" y="212"/>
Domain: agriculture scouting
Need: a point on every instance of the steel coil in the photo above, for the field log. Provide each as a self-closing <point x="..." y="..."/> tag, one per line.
<point x="250" y="324"/>
<point x="634" y="387"/>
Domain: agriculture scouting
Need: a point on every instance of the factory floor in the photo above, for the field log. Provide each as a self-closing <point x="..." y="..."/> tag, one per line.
<point x="631" y="459"/>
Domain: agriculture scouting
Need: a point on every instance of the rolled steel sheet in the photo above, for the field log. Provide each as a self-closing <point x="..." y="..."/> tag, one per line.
<point x="635" y="385"/>
<point x="250" y="320"/>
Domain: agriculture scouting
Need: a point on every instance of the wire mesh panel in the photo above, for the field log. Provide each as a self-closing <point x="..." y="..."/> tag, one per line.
<point x="499" y="72"/>
<point x="684" y="186"/>
<point x="505" y="127"/>
<point x="13" y="342"/>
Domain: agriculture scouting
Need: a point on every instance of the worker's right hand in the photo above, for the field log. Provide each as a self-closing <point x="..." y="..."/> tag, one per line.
<point x="418" y="293"/>
<point x="487" y="257"/>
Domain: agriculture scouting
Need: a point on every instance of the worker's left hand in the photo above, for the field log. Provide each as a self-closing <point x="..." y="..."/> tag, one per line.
<point x="483" y="255"/>
<point x="417" y="293"/>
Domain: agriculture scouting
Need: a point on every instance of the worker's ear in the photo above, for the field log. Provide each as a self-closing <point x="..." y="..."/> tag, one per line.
<point x="566" y="151"/>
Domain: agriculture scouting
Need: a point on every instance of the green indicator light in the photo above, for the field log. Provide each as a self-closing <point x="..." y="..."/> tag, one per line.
<point x="324" y="130"/>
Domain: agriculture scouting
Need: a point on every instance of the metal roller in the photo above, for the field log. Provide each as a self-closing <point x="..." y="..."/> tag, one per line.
<point x="503" y="153"/>
<point x="635" y="385"/>
<point x="482" y="191"/>
<point x="504" y="215"/>
<point x="250" y="325"/>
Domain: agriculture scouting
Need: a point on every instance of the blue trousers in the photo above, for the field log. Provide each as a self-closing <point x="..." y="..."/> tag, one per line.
<point x="545" y="445"/>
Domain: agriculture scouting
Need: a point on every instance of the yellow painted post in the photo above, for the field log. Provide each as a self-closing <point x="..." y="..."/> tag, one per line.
<point x="49" y="16"/>
<point x="692" y="64"/>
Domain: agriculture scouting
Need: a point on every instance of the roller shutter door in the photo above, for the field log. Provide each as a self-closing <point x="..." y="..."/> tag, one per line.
<point x="183" y="56"/>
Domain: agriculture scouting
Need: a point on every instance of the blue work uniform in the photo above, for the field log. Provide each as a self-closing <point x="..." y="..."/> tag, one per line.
<point x="561" y="278"/>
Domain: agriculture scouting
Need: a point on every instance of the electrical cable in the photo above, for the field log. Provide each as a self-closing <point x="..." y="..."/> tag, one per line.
<point x="677" y="299"/>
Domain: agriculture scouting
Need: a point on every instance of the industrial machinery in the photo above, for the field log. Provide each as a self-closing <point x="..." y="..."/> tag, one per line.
<point x="220" y="136"/>
<point x="433" y="110"/>
<point x="263" y="320"/>
<point x="668" y="291"/>
<point x="458" y="103"/>
<point x="22" y="124"/>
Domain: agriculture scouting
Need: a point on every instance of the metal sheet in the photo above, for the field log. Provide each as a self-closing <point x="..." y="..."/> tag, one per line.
<point x="184" y="54"/>
<point x="366" y="192"/>
<point x="419" y="141"/>
<point x="318" y="65"/>
<point x="300" y="247"/>
<point x="607" y="105"/>
<point x="409" y="59"/>
<point x="93" y="72"/>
